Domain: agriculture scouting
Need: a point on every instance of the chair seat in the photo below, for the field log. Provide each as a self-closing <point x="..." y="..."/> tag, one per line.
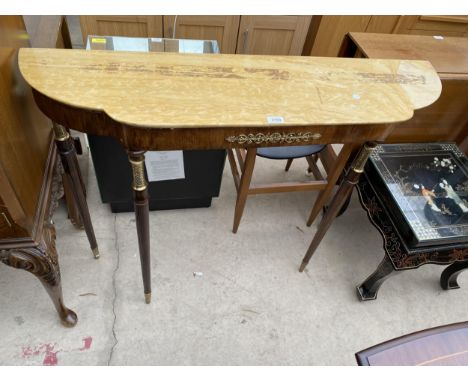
<point x="289" y="152"/>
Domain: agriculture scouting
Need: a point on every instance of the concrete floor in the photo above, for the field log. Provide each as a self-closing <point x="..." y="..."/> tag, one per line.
<point x="251" y="306"/>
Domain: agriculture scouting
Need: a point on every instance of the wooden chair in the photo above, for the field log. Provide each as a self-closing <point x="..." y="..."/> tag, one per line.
<point x="242" y="163"/>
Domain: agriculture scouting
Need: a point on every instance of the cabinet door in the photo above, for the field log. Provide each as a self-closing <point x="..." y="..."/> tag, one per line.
<point x="279" y="35"/>
<point x="223" y="29"/>
<point x="130" y="26"/>
<point x="433" y="25"/>
<point x="25" y="136"/>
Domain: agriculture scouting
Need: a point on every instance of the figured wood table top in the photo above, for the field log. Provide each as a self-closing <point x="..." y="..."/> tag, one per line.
<point x="161" y="90"/>
<point x="448" y="55"/>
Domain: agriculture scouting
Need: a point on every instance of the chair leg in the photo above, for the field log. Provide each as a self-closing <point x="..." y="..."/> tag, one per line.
<point x="312" y="161"/>
<point x="332" y="177"/>
<point x="288" y="164"/>
<point x="240" y="153"/>
<point x="234" y="169"/>
<point x="244" y="186"/>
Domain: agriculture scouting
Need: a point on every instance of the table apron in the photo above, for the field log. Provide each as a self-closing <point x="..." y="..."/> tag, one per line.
<point x="200" y="138"/>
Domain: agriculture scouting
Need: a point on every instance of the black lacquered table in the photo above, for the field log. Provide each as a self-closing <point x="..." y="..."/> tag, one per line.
<point x="416" y="195"/>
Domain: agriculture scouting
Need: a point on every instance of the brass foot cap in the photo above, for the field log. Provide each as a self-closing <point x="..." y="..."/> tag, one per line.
<point x="302" y="267"/>
<point x="96" y="253"/>
<point x="147" y="298"/>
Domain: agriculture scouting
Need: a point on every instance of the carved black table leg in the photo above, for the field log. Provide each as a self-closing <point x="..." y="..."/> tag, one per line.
<point x="66" y="148"/>
<point x="345" y="189"/>
<point x="141" y="202"/>
<point x="369" y="288"/>
<point x="448" y="278"/>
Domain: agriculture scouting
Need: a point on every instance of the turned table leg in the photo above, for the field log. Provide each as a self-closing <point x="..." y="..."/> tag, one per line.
<point x="141" y="202"/>
<point x="448" y="278"/>
<point x="42" y="262"/>
<point x="345" y="189"/>
<point x="66" y="149"/>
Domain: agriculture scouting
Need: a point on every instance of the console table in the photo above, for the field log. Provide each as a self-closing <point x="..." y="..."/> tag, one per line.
<point x="164" y="101"/>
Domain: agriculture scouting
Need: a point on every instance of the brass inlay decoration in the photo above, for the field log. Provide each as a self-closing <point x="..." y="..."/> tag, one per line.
<point x="139" y="180"/>
<point x="361" y="159"/>
<point x="61" y="133"/>
<point x="273" y="138"/>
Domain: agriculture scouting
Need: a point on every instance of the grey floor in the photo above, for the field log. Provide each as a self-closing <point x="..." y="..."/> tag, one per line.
<point x="251" y="306"/>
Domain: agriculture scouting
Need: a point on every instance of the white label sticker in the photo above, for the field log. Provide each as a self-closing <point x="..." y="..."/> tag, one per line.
<point x="164" y="165"/>
<point x="438" y="37"/>
<point x="156" y="39"/>
<point x="275" y="119"/>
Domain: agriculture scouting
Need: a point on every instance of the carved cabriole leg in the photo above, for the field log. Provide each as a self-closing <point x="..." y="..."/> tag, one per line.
<point x="369" y="288"/>
<point x="66" y="148"/>
<point x="140" y="197"/>
<point x="42" y="262"/>
<point x="448" y="278"/>
<point x="346" y="187"/>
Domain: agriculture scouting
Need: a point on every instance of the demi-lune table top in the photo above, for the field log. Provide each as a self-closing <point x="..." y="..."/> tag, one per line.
<point x="173" y="90"/>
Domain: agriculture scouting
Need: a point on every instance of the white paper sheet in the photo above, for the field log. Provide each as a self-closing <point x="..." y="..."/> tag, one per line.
<point x="191" y="46"/>
<point x="164" y="165"/>
<point x="130" y="44"/>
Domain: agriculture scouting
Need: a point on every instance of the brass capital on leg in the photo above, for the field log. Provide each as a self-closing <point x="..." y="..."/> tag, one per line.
<point x="138" y="169"/>
<point x="360" y="161"/>
<point x="60" y="132"/>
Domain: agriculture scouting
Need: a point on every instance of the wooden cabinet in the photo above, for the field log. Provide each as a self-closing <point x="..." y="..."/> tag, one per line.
<point x="131" y="26"/>
<point x="280" y="35"/>
<point x="223" y="29"/>
<point x="444" y="120"/>
<point x="327" y="32"/>
<point x="25" y="134"/>
<point x="48" y="31"/>
<point x="433" y="25"/>
<point x="29" y="185"/>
